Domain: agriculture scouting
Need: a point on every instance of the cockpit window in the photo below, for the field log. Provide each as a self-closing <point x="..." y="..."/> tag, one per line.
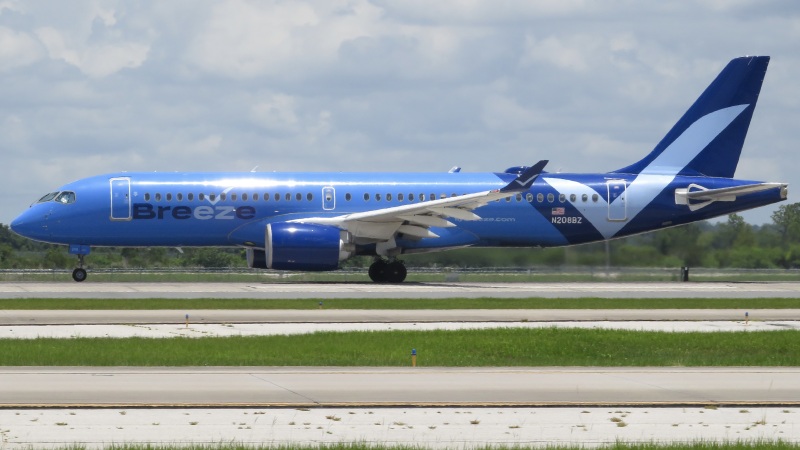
<point x="66" y="197"/>
<point x="47" y="197"/>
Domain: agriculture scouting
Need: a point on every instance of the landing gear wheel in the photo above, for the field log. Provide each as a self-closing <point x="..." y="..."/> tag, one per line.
<point x="79" y="274"/>
<point x="377" y="271"/>
<point x="387" y="272"/>
<point x="396" y="272"/>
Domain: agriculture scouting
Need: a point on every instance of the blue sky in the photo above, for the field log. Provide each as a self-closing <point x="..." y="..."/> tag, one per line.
<point x="90" y="87"/>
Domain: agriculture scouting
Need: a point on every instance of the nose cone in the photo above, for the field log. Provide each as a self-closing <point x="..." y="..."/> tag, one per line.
<point x="31" y="224"/>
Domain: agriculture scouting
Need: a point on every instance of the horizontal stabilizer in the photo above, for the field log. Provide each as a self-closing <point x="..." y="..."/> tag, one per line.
<point x="703" y="196"/>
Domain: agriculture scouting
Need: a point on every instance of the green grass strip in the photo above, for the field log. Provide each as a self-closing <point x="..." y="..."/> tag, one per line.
<point x="494" y="347"/>
<point x="388" y="303"/>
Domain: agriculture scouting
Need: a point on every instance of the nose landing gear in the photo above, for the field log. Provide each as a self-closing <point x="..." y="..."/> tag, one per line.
<point x="79" y="274"/>
<point x="382" y="271"/>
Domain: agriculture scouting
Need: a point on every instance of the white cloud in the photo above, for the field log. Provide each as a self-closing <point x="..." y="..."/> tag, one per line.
<point x="98" y="60"/>
<point x="17" y="49"/>
<point x="276" y="112"/>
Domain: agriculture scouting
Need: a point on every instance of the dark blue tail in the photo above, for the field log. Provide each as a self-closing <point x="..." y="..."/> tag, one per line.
<point x="708" y="139"/>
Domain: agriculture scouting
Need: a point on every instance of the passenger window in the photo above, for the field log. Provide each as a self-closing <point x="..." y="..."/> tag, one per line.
<point x="211" y="197"/>
<point x="233" y="197"/>
<point x="223" y="196"/>
<point x="422" y="197"/>
<point x="539" y="197"/>
<point x="508" y="199"/>
<point x="432" y="197"/>
<point x="190" y="196"/>
<point x="288" y="197"/>
<point x="594" y="197"/>
<point x="550" y="198"/>
<point x="562" y="198"/>
<point x="255" y="197"/>
<point x="442" y="195"/>
<point x="347" y="196"/>
<point x="147" y="196"/>
<point x="244" y="197"/>
<point x="169" y="197"/>
<point x="309" y="196"/>
<point x="201" y="197"/>
<point x="277" y="197"/>
<point x="377" y="197"/>
<point x="266" y="197"/>
<point x="584" y="197"/>
<point x="400" y="197"/>
<point x="388" y="197"/>
<point x="158" y="197"/>
<point x="519" y="197"/>
<point x="411" y="197"/>
<point x="572" y="198"/>
<point x="366" y="197"/>
<point x="298" y="196"/>
<point x="180" y="197"/>
<point x="529" y="197"/>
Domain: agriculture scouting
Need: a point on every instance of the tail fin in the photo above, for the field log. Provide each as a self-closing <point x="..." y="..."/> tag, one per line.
<point x="708" y="139"/>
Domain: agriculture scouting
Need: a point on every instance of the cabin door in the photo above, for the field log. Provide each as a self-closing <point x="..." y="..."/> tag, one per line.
<point x="120" y="198"/>
<point x="617" y="207"/>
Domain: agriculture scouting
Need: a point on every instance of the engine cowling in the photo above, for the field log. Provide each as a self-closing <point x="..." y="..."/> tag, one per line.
<point x="256" y="259"/>
<point x="302" y="246"/>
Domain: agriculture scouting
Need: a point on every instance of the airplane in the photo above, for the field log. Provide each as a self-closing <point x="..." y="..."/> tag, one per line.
<point x="314" y="221"/>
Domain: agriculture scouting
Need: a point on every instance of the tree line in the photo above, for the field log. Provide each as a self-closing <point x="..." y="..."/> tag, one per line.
<point x="729" y="244"/>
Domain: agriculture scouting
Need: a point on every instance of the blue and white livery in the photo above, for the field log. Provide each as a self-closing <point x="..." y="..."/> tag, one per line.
<point x="314" y="221"/>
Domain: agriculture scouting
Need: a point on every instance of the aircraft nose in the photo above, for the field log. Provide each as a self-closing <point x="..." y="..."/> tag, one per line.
<point x="31" y="224"/>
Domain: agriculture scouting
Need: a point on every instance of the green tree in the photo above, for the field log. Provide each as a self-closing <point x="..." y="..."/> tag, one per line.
<point x="787" y="220"/>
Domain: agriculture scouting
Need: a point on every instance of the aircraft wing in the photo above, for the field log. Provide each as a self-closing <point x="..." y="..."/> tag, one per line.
<point x="414" y="220"/>
<point x="702" y="196"/>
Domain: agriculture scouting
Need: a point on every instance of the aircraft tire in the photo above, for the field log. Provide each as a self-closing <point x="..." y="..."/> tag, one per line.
<point x="378" y="271"/>
<point x="396" y="272"/>
<point x="79" y="274"/>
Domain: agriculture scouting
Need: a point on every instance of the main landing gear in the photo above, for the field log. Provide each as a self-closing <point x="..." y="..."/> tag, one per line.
<point x="382" y="271"/>
<point x="79" y="274"/>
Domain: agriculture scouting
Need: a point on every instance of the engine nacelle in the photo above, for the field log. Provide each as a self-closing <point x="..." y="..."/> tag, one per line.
<point x="302" y="246"/>
<point x="256" y="259"/>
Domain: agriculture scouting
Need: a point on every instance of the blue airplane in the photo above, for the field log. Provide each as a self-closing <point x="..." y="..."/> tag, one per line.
<point x="314" y="221"/>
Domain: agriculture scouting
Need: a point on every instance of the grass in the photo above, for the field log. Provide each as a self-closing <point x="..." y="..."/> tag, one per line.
<point x="461" y="348"/>
<point x="391" y="303"/>
<point x="695" y="445"/>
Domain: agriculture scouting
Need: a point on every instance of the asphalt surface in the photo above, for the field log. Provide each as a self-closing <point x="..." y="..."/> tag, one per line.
<point x="105" y="317"/>
<point x="91" y="289"/>
<point x="399" y="387"/>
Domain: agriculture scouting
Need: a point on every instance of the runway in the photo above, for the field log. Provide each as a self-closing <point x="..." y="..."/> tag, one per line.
<point x="47" y="407"/>
<point x="125" y="387"/>
<point x="405" y="290"/>
<point x="100" y="317"/>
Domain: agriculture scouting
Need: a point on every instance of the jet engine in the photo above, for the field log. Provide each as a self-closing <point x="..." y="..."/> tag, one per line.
<point x="302" y="246"/>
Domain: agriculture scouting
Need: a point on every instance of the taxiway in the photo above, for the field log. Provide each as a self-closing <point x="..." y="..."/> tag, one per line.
<point x="126" y="290"/>
<point x="399" y="387"/>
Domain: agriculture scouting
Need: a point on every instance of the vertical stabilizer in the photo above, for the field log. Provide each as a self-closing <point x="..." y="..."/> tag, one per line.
<point x="708" y="139"/>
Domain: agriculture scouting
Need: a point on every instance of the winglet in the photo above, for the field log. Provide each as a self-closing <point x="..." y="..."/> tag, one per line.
<point x="525" y="180"/>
